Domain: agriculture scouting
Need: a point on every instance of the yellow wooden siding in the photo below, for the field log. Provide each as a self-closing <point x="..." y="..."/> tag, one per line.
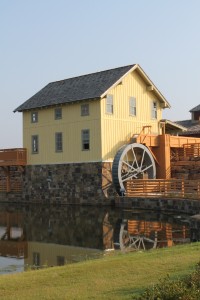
<point x="71" y="125"/>
<point x="108" y="132"/>
<point x="117" y="128"/>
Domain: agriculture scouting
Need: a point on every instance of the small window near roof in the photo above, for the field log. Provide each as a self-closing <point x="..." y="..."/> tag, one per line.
<point x="58" y="113"/>
<point x="109" y="104"/>
<point x="85" y="138"/>
<point x="34" y="117"/>
<point x="132" y="106"/>
<point x="84" y="109"/>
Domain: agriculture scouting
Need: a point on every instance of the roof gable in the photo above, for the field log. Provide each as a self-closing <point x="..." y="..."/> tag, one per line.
<point x="90" y="86"/>
<point x="196" y="108"/>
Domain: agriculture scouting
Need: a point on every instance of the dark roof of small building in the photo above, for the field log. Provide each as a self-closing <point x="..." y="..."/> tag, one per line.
<point x="170" y="125"/>
<point x="185" y="123"/>
<point x="193" y="127"/>
<point x="196" y="108"/>
<point x="90" y="86"/>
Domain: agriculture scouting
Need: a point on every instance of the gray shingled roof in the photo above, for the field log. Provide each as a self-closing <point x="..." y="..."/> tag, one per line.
<point x="192" y="127"/>
<point x="185" y="123"/>
<point x="90" y="86"/>
<point x="196" y="108"/>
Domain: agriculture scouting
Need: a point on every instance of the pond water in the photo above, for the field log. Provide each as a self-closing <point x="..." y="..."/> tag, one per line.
<point x="35" y="236"/>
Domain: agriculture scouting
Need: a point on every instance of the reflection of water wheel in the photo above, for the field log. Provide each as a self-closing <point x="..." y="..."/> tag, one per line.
<point x="136" y="241"/>
<point x="132" y="161"/>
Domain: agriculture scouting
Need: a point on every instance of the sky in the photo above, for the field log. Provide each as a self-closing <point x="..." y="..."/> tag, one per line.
<point x="48" y="40"/>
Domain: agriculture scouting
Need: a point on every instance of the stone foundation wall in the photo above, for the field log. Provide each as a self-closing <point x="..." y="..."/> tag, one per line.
<point x="78" y="183"/>
<point x="187" y="206"/>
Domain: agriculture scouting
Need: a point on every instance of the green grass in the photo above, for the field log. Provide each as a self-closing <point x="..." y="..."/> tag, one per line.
<point x="115" y="276"/>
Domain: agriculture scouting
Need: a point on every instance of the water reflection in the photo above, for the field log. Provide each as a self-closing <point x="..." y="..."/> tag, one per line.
<point x="41" y="236"/>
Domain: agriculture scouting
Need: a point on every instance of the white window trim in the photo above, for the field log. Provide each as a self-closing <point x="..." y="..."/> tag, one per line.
<point x="132" y="106"/>
<point x="109" y="104"/>
<point x="85" y="141"/>
<point x="56" y="142"/>
<point x="58" y="117"/>
<point x="154" y="110"/>
<point x="85" y="110"/>
<point x="32" y="144"/>
<point x="34" y="117"/>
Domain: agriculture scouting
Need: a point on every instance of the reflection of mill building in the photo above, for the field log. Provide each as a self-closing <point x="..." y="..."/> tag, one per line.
<point x="73" y="128"/>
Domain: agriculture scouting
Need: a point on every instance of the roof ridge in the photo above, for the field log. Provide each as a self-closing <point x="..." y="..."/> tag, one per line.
<point x="103" y="71"/>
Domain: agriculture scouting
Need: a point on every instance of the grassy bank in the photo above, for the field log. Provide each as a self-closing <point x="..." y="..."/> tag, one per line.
<point x="115" y="276"/>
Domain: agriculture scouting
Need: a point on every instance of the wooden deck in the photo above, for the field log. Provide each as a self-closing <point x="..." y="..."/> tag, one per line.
<point x="13" y="157"/>
<point x="12" y="162"/>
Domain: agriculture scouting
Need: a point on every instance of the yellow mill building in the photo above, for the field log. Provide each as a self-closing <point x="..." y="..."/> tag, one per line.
<point x="73" y="128"/>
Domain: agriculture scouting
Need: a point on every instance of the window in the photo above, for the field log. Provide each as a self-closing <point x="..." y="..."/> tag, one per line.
<point x="60" y="261"/>
<point x="85" y="110"/>
<point x="58" y="142"/>
<point x="58" y="113"/>
<point x="109" y="104"/>
<point x="34" y="117"/>
<point x="154" y="110"/>
<point x="85" y="136"/>
<point x="36" y="259"/>
<point x="132" y="106"/>
<point x="35" y="144"/>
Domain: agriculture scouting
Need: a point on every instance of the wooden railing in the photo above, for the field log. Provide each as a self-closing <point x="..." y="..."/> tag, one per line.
<point x="187" y="152"/>
<point x="13" y="157"/>
<point x="161" y="188"/>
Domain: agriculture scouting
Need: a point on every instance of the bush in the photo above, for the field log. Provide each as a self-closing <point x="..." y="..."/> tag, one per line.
<point x="168" y="289"/>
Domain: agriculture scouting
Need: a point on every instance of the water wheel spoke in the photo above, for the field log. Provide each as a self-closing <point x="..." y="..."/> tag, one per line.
<point x="135" y="158"/>
<point x="134" y="242"/>
<point x="128" y="165"/>
<point x="142" y="160"/>
<point x="149" y="240"/>
<point x="127" y="177"/>
<point x="142" y="240"/>
<point x="148" y="167"/>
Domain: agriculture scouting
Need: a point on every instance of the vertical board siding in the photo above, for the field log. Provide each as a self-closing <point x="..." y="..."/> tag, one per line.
<point x="71" y="125"/>
<point x="119" y="127"/>
<point x="108" y="132"/>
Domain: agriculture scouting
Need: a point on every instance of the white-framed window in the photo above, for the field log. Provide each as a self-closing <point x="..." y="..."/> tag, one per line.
<point x="58" y="113"/>
<point x="154" y="110"/>
<point x="58" y="142"/>
<point x="132" y="106"/>
<point x="85" y="139"/>
<point x="34" y="117"/>
<point x="85" y="110"/>
<point x="109" y="104"/>
<point x="35" y="144"/>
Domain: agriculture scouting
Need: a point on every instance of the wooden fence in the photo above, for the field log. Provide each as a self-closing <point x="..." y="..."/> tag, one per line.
<point x="15" y="186"/>
<point x="187" y="152"/>
<point x="13" y="157"/>
<point x="161" y="188"/>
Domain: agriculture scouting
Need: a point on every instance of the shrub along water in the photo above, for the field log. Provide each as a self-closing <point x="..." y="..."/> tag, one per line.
<point x="187" y="288"/>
